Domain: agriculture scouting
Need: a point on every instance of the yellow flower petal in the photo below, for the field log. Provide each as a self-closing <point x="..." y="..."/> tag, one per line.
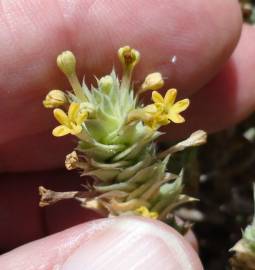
<point x="76" y="129"/>
<point x="156" y="97"/>
<point x="60" y="131"/>
<point x="176" y="118"/>
<point x="181" y="105"/>
<point x="170" y="97"/>
<point x="162" y="119"/>
<point x="73" y="111"/>
<point x="81" y="118"/>
<point x="61" y="117"/>
<point x="150" y="108"/>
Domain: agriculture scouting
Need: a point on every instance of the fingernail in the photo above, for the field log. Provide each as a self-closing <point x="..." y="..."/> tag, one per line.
<point x="132" y="244"/>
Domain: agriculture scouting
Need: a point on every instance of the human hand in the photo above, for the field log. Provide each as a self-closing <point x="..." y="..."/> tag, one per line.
<point x="33" y="33"/>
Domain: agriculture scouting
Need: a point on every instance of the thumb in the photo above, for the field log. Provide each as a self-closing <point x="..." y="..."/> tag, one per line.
<point x="116" y="243"/>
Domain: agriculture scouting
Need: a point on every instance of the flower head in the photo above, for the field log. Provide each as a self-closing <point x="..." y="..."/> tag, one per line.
<point x="162" y="111"/>
<point x="71" y="123"/>
<point x="167" y="106"/>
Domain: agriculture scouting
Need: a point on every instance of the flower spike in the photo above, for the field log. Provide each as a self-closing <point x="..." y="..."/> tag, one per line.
<point x="116" y="141"/>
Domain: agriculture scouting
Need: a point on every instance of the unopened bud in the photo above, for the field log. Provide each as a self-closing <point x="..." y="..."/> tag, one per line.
<point x="54" y="99"/>
<point x="66" y="62"/>
<point x="128" y="57"/>
<point x="153" y="81"/>
<point x="106" y="84"/>
<point x="71" y="161"/>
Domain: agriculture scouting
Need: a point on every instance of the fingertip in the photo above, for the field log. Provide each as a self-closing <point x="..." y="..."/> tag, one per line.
<point x="116" y="243"/>
<point x="135" y="243"/>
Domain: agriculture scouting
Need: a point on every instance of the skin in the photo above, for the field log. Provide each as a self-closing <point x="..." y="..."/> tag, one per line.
<point x="215" y="61"/>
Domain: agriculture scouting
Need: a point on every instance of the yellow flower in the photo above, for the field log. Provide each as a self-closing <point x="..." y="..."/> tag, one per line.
<point x="162" y="111"/>
<point x="155" y="118"/>
<point x="145" y="212"/>
<point x="166" y="105"/>
<point x="71" y="123"/>
<point x="167" y="108"/>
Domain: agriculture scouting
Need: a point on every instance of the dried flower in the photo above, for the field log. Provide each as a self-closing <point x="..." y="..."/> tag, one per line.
<point x="71" y="161"/>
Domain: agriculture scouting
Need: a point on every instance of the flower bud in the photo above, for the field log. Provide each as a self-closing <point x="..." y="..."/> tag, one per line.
<point x="54" y="99"/>
<point x="128" y="57"/>
<point x="66" y="62"/>
<point x="106" y="83"/>
<point x="153" y="81"/>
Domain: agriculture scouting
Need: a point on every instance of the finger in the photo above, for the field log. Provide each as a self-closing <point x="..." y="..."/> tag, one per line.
<point x="117" y="243"/>
<point x="229" y="98"/>
<point x="33" y="34"/>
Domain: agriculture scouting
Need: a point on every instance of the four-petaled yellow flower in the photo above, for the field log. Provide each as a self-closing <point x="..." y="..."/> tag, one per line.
<point x="71" y="123"/>
<point x="164" y="110"/>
